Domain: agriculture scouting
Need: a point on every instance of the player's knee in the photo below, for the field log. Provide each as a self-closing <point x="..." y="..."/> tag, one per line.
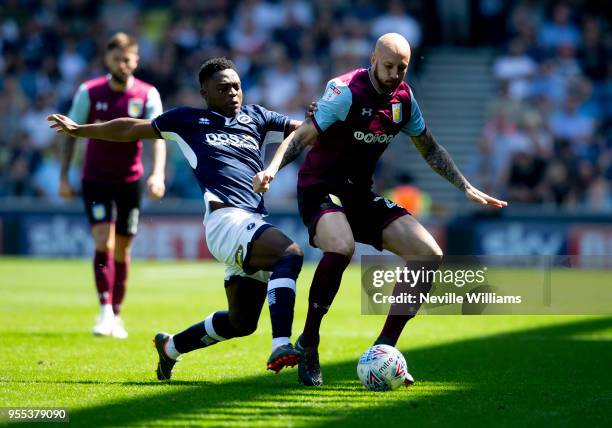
<point x="289" y="264"/>
<point x="243" y="326"/>
<point x="430" y="250"/>
<point x="342" y="246"/>
<point x="103" y="240"/>
<point x="434" y="251"/>
<point x="294" y="250"/>
<point x="104" y="245"/>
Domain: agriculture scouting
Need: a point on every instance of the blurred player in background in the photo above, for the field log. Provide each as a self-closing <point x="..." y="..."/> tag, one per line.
<point x="357" y="118"/>
<point x="222" y="144"/>
<point x="111" y="181"/>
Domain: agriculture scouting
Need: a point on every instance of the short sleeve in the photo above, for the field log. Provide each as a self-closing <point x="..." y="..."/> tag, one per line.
<point x="79" y="111"/>
<point x="416" y="124"/>
<point x="333" y="106"/>
<point x="274" y="121"/>
<point x="153" y="107"/>
<point x="169" y="121"/>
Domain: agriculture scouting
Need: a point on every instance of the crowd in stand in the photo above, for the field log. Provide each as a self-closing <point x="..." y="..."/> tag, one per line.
<point x="284" y="50"/>
<point x="547" y="138"/>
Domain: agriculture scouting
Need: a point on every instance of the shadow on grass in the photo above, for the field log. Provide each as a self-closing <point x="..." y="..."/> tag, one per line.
<point x="109" y="382"/>
<point x="555" y="375"/>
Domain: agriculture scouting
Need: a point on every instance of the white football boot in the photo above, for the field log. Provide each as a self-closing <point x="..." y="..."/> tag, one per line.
<point x="105" y="322"/>
<point x="119" y="331"/>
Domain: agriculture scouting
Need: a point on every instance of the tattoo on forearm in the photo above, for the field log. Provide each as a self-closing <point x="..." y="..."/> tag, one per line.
<point x="295" y="147"/>
<point x="439" y="160"/>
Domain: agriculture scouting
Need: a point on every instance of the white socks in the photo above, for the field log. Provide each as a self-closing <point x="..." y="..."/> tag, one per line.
<point x="279" y="341"/>
<point x="106" y="311"/>
<point x="170" y="350"/>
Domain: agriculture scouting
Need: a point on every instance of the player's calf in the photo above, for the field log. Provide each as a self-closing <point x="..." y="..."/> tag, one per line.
<point x="281" y="292"/>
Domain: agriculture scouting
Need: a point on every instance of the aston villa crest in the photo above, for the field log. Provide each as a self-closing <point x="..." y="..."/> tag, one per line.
<point x="135" y="106"/>
<point x="396" y="109"/>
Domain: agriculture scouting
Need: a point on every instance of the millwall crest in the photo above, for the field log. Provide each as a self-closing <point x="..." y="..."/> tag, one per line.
<point x="396" y="109"/>
<point x="135" y="106"/>
<point x="244" y="119"/>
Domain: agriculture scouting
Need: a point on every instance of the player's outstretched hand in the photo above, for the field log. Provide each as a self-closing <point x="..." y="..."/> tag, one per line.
<point x="482" y="198"/>
<point x="64" y="124"/>
<point x="311" y="110"/>
<point x="262" y="180"/>
<point x="156" y="188"/>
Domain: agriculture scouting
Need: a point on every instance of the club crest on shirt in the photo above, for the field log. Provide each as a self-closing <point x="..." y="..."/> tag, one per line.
<point x="98" y="211"/>
<point x="135" y="106"/>
<point x="244" y="119"/>
<point x="396" y="109"/>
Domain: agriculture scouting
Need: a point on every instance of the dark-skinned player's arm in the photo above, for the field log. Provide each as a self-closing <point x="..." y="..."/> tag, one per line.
<point x="287" y="152"/>
<point x="440" y="161"/>
<point x="122" y="129"/>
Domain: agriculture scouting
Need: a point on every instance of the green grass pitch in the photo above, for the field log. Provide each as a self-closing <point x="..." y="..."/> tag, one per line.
<point x="471" y="370"/>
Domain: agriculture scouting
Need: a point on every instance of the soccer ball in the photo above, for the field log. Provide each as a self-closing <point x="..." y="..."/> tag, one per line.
<point x="383" y="368"/>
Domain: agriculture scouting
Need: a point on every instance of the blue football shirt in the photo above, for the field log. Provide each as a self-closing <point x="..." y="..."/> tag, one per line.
<point x="224" y="152"/>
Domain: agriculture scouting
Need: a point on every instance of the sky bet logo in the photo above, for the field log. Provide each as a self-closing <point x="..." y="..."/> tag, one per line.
<point x="242" y="141"/>
<point x="373" y="138"/>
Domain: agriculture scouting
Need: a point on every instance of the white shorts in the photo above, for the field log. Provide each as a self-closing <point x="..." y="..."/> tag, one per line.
<point x="229" y="235"/>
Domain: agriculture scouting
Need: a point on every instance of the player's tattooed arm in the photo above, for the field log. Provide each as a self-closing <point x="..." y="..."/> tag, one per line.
<point x="291" y="126"/>
<point x="287" y="152"/>
<point x="294" y="124"/>
<point x="122" y="129"/>
<point x="294" y="145"/>
<point x="440" y="161"/>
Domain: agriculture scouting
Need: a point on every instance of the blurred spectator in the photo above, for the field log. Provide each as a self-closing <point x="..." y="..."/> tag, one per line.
<point x="396" y="20"/>
<point x="553" y="109"/>
<point x="33" y="122"/>
<point x="525" y="177"/>
<point x="546" y="83"/>
<point x="516" y="67"/>
<point x="559" y="30"/>
<point x="279" y="80"/>
<point x="23" y="160"/>
<point x="454" y="20"/>
<point x="118" y="15"/>
<point x="563" y="110"/>
<point x="592" y="52"/>
<point x="13" y="103"/>
<point x="502" y="138"/>
<point x="246" y="38"/>
<point x="570" y="124"/>
<point x="556" y="185"/>
<point x="45" y="181"/>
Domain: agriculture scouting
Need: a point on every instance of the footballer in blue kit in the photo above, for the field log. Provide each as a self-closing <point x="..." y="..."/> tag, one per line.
<point x="222" y="144"/>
